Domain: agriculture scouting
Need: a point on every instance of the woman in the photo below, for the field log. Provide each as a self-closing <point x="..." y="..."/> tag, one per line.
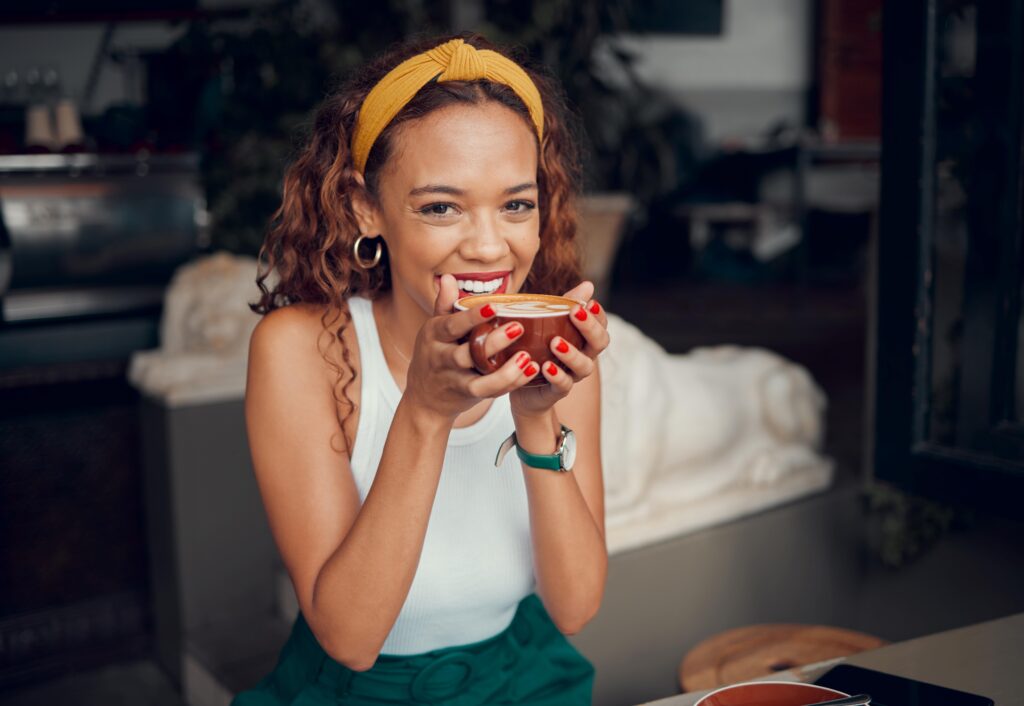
<point x="442" y="168"/>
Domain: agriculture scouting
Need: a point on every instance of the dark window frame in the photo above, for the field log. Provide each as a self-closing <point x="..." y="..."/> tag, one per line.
<point x="903" y="453"/>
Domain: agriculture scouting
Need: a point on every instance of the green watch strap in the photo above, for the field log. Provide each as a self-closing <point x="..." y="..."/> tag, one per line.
<point x="552" y="462"/>
<point x="549" y="462"/>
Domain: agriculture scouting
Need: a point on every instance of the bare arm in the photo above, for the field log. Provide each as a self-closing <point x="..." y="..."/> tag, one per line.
<point x="351" y="567"/>
<point x="567" y="510"/>
<point x="371" y="571"/>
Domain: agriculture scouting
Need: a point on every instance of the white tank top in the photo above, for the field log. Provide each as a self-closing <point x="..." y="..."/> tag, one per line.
<point x="477" y="559"/>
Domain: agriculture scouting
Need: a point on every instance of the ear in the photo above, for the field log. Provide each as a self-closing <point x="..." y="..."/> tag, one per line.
<point x="367" y="214"/>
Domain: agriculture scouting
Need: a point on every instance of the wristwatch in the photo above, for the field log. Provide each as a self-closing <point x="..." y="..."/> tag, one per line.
<point x="562" y="460"/>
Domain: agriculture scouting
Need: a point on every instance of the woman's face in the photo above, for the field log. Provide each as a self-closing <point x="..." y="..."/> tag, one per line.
<point x="459" y="196"/>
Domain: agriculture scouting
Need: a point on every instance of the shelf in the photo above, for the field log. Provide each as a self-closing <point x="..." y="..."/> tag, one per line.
<point x="97" y="163"/>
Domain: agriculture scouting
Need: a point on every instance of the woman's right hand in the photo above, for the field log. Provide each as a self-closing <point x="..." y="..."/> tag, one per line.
<point x="441" y="375"/>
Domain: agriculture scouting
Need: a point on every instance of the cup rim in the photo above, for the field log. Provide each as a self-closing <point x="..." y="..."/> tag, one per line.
<point x="838" y="694"/>
<point x="523" y="315"/>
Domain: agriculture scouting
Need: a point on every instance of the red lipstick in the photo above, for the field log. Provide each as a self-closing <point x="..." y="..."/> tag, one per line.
<point x="482" y="277"/>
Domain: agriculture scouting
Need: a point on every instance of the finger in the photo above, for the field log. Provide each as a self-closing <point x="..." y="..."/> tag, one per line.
<point x="558" y="378"/>
<point x="447" y="293"/>
<point x="502" y="337"/>
<point x="455" y="326"/>
<point x="579" y="363"/>
<point x="516" y="372"/>
<point x="582" y="292"/>
<point x="496" y="341"/>
<point x="592" y="326"/>
<point x="594" y="308"/>
<point x="462" y="357"/>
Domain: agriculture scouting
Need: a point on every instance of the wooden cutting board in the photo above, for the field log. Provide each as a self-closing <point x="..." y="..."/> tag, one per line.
<point x="754" y="651"/>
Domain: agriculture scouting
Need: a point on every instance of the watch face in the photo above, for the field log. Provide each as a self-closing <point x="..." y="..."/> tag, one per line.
<point x="568" y="450"/>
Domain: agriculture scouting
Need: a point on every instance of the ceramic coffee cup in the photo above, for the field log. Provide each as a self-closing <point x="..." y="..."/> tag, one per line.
<point x="542" y="316"/>
<point x="770" y="693"/>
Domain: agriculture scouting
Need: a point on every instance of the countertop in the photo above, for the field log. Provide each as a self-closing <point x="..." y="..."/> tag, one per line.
<point x="986" y="659"/>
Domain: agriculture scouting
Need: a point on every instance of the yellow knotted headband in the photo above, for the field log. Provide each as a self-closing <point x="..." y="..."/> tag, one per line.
<point x="452" y="61"/>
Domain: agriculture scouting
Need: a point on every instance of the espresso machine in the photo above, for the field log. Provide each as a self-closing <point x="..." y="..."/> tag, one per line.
<point x="87" y="245"/>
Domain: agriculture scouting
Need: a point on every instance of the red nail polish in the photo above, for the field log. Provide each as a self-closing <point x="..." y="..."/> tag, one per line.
<point x="581" y="315"/>
<point x="595" y="308"/>
<point x="531" y="369"/>
<point x="552" y="369"/>
<point x="487" y="310"/>
<point x="513" y="330"/>
<point x="522" y="358"/>
<point x="562" y="346"/>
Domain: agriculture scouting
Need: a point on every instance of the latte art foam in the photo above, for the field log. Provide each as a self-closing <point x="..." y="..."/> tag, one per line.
<point x="527" y="308"/>
<point x="519" y="305"/>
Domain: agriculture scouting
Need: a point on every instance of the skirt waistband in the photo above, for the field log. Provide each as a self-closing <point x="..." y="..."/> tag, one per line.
<point x="432" y="676"/>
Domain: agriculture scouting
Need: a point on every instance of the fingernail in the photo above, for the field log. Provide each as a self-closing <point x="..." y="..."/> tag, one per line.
<point x="562" y="346"/>
<point x="581" y="315"/>
<point x="513" y="330"/>
<point x="522" y="358"/>
<point x="487" y="310"/>
<point x="552" y="369"/>
<point x="531" y="370"/>
<point x="595" y="308"/>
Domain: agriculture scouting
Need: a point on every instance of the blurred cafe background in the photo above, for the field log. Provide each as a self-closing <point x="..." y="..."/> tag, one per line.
<point x="808" y="212"/>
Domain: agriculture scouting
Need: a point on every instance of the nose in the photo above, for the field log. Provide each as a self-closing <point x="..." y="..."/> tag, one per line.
<point x="485" y="241"/>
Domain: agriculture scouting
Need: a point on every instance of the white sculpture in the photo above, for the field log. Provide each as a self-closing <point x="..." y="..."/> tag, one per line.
<point x="204" y="333"/>
<point x="688" y="441"/>
<point x="693" y="440"/>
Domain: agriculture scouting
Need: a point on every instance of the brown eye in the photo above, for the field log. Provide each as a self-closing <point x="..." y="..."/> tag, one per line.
<point x="519" y="206"/>
<point x="438" y="209"/>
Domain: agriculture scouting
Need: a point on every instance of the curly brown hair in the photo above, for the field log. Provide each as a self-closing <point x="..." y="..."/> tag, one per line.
<point x="309" y="245"/>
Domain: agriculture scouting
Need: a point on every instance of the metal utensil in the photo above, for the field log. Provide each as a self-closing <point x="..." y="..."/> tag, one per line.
<point x="858" y="700"/>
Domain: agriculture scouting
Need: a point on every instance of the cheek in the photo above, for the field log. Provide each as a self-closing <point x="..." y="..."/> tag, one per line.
<point x="421" y="250"/>
<point x="527" y="246"/>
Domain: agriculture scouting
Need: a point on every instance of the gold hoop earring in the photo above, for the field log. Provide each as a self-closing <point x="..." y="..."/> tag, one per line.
<point x="364" y="265"/>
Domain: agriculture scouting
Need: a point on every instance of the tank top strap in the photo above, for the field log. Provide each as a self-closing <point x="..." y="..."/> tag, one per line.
<point x="373" y="365"/>
<point x="371" y="357"/>
<point x="378" y="393"/>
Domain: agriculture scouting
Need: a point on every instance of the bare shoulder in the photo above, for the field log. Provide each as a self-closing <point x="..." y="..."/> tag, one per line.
<point x="301" y="331"/>
<point x="306" y="334"/>
<point x="295" y="355"/>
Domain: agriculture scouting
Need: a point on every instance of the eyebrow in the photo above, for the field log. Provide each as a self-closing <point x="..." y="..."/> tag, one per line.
<point x="444" y="189"/>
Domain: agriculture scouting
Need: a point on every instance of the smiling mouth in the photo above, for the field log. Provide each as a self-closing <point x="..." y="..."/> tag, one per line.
<point x="481" y="282"/>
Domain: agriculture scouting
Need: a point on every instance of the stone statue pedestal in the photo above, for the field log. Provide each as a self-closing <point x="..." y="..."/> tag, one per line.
<point x="212" y="560"/>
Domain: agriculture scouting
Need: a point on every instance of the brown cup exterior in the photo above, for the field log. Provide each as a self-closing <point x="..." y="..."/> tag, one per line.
<point x="769" y="693"/>
<point x="536" y="340"/>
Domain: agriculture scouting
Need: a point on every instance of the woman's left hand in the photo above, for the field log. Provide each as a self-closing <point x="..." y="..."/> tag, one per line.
<point x="589" y="318"/>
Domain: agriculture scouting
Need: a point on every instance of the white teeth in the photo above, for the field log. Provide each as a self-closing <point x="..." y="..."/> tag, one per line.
<point x="478" y="287"/>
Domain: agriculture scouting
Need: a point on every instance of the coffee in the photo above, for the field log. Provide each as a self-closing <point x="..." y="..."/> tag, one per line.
<point x="542" y="316"/>
<point x="519" y="305"/>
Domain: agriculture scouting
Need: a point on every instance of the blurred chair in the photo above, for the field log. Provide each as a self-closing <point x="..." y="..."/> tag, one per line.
<point x="704" y="217"/>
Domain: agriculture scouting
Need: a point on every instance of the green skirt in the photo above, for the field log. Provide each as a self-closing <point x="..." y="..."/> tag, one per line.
<point x="530" y="662"/>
